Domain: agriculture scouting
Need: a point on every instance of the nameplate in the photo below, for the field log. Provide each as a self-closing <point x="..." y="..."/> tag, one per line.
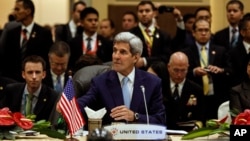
<point x="137" y="132"/>
<point x="239" y="132"/>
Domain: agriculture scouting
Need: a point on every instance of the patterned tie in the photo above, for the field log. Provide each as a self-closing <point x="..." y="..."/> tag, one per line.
<point x="125" y="91"/>
<point x="233" y="38"/>
<point x="89" y="44"/>
<point x="148" y="41"/>
<point x="204" y="63"/>
<point x="176" y="92"/>
<point x="28" y="106"/>
<point x="58" y="87"/>
<point x="24" y="43"/>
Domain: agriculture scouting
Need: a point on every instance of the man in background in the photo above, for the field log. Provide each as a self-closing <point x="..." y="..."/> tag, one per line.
<point x="107" y="29"/>
<point x="156" y="43"/>
<point x="68" y="31"/>
<point x="129" y="20"/>
<point x="26" y="39"/>
<point x="57" y="74"/>
<point x="229" y="36"/>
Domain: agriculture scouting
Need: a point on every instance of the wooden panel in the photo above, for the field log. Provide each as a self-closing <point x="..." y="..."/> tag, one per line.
<point x="165" y="21"/>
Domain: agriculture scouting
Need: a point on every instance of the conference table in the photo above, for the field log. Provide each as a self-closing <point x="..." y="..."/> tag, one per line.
<point x="214" y="137"/>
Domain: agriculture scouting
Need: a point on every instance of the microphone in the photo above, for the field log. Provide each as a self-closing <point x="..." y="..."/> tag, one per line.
<point x="145" y="102"/>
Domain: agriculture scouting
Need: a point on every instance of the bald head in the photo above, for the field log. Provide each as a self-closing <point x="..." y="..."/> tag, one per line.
<point x="178" y="57"/>
<point x="178" y="67"/>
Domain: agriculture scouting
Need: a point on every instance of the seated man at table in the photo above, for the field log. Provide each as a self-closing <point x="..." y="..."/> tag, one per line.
<point x="122" y="99"/>
<point x="184" y="98"/>
<point x="31" y="97"/>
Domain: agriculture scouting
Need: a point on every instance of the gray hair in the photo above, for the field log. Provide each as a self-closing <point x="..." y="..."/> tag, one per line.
<point x="134" y="42"/>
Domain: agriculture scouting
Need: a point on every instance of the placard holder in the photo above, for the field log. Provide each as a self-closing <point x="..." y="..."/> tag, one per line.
<point x="137" y="132"/>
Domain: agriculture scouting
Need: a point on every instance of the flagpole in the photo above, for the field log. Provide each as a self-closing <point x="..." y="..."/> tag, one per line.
<point x="71" y="138"/>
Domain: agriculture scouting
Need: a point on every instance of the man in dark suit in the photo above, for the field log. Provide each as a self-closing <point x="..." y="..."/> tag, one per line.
<point x="156" y="43"/>
<point x="24" y="40"/>
<point x="66" y="32"/>
<point x="123" y="101"/>
<point x="4" y="81"/>
<point x="208" y="67"/>
<point x="59" y="54"/>
<point x="31" y="97"/>
<point x="57" y="77"/>
<point x="90" y="42"/>
<point x="188" y="105"/>
<point x="238" y="55"/>
<point x="229" y="36"/>
<point x="239" y="94"/>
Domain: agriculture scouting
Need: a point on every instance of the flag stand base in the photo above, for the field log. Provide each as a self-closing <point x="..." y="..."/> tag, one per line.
<point x="71" y="139"/>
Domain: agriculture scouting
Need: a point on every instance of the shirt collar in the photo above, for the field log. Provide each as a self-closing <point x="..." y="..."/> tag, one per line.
<point x="247" y="46"/>
<point x="180" y="85"/>
<point x="151" y="27"/>
<point x="29" y="27"/>
<point x="131" y="76"/>
<point x="93" y="37"/>
<point x="231" y="28"/>
<point x="54" y="76"/>
<point x="36" y="93"/>
<point x="200" y="46"/>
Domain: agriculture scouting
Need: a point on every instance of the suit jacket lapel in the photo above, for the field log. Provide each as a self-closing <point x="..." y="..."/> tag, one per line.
<point x="41" y="102"/>
<point x="115" y="89"/>
<point x="137" y="96"/>
<point x="211" y="54"/>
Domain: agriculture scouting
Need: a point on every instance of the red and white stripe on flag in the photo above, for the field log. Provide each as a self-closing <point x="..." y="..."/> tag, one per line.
<point x="70" y="110"/>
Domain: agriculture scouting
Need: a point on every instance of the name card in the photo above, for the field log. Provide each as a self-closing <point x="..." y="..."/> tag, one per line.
<point x="137" y="132"/>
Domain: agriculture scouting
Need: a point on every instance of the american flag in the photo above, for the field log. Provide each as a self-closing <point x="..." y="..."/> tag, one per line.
<point x="69" y="108"/>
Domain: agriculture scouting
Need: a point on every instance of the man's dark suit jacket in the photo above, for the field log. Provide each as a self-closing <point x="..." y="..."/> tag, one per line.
<point x="63" y="33"/>
<point x="161" y="48"/>
<point x="238" y="59"/>
<point x="4" y="81"/>
<point x="105" y="91"/>
<point x="240" y="96"/>
<point x="182" y="40"/>
<point x="217" y="57"/>
<point x="13" y="95"/>
<point x="180" y="111"/>
<point x="39" y="43"/>
<point x="104" y="49"/>
<point x="222" y="38"/>
<point x="49" y="82"/>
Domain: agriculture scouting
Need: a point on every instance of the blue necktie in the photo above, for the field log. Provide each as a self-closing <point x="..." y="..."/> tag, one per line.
<point x="89" y="44"/>
<point x="125" y="91"/>
<point x="58" y="87"/>
<point x="234" y="38"/>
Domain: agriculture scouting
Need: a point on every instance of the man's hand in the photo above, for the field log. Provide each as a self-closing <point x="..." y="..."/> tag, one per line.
<point x="199" y="71"/>
<point x="177" y="14"/>
<point x="215" y="69"/>
<point x="122" y="113"/>
<point x="58" y="107"/>
<point x="139" y="63"/>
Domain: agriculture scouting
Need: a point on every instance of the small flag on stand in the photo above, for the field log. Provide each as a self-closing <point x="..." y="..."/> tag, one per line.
<point x="69" y="108"/>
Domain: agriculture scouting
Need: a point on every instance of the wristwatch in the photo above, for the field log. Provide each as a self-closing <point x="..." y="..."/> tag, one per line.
<point x="137" y="116"/>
